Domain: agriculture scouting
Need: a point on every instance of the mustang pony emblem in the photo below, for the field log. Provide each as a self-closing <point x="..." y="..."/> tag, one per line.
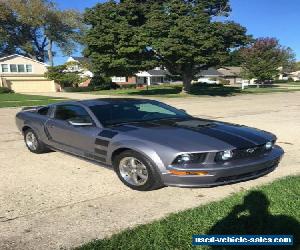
<point x="250" y="150"/>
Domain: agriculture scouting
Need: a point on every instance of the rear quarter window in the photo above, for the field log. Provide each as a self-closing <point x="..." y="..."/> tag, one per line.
<point x="43" y="111"/>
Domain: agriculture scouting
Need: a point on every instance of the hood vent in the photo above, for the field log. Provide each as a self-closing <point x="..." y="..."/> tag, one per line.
<point x="194" y="123"/>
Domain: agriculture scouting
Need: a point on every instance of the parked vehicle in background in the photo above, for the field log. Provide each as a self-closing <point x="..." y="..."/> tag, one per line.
<point x="208" y="81"/>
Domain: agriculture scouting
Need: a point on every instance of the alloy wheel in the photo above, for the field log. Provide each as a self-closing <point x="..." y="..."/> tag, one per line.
<point x="133" y="171"/>
<point x="31" y="141"/>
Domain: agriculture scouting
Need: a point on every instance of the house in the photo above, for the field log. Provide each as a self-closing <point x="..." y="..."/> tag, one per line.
<point x="286" y="75"/>
<point x="208" y="76"/>
<point x="122" y="80"/>
<point x="150" y="77"/>
<point x="79" y="64"/>
<point x="23" y="74"/>
<point x="295" y="75"/>
<point x="232" y="74"/>
<point x="289" y="75"/>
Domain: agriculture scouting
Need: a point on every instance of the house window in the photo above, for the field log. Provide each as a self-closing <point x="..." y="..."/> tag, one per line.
<point x="13" y="68"/>
<point x="21" y="68"/>
<point x="28" y="68"/>
<point x="118" y="79"/>
<point x="4" y="67"/>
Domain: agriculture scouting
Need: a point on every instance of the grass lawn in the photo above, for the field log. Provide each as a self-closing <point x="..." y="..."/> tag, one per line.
<point x="199" y="90"/>
<point x="270" y="209"/>
<point x="17" y="100"/>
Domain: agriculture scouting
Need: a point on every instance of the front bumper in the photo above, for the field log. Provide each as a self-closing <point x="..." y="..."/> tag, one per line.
<point x="229" y="172"/>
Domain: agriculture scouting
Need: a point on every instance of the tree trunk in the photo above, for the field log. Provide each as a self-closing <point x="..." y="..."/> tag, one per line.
<point x="50" y="54"/>
<point x="187" y="82"/>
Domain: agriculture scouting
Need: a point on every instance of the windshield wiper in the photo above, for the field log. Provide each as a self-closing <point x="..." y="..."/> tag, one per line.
<point x="123" y="123"/>
<point x="150" y="120"/>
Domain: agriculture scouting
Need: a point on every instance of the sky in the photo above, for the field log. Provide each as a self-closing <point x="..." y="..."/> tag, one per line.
<point x="262" y="18"/>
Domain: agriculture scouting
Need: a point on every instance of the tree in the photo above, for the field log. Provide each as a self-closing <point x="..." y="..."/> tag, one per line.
<point x="181" y="35"/>
<point x="288" y="60"/>
<point x="39" y="24"/>
<point x="61" y="76"/>
<point x="264" y="58"/>
<point x="114" y="40"/>
<point x="234" y="58"/>
<point x="297" y="66"/>
<point x="12" y="33"/>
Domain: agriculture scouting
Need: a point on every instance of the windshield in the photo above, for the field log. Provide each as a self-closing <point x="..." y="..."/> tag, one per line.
<point x="135" y="111"/>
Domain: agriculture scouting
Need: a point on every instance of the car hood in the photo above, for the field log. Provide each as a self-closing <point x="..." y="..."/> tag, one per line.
<point x="196" y="134"/>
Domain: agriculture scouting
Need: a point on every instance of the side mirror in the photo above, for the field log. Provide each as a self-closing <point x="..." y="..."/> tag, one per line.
<point x="79" y="122"/>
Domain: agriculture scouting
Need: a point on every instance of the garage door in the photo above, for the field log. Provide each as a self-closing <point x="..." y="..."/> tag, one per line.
<point x="32" y="85"/>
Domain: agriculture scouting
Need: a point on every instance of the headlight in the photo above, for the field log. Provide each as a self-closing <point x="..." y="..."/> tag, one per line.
<point x="269" y="145"/>
<point x="224" y="155"/>
<point x="189" y="158"/>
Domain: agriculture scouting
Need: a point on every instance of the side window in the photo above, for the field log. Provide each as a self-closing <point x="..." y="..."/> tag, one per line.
<point x="150" y="108"/>
<point x="44" y="111"/>
<point x="72" y="112"/>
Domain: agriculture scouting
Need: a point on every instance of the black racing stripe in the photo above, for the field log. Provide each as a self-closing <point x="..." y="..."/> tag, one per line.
<point x="100" y="151"/>
<point x="125" y="128"/>
<point x="101" y="142"/>
<point x="108" y="133"/>
<point x="102" y="159"/>
<point x="259" y="140"/>
<point x="233" y="140"/>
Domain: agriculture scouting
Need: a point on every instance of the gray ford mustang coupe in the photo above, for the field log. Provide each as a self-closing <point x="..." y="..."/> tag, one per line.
<point x="151" y="144"/>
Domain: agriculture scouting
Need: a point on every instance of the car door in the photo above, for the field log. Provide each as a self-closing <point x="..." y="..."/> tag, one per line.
<point x="72" y="129"/>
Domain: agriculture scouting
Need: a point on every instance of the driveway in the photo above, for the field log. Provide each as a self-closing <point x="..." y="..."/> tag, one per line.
<point x="54" y="200"/>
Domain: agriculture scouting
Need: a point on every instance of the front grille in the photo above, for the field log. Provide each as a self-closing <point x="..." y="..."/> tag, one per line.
<point x="246" y="175"/>
<point x="249" y="152"/>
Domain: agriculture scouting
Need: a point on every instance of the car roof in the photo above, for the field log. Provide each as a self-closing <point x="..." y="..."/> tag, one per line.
<point x="103" y="101"/>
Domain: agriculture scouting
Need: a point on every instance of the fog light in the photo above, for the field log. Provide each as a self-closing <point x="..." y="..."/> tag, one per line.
<point x="185" y="158"/>
<point x="227" y="154"/>
<point x="177" y="172"/>
<point x="269" y="145"/>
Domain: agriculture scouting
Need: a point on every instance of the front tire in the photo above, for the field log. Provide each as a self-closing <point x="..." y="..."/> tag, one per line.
<point x="136" y="171"/>
<point x="33" y="143"/>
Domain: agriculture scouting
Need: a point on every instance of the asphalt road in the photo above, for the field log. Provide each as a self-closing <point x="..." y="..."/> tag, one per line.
<point x="55" y="200"/>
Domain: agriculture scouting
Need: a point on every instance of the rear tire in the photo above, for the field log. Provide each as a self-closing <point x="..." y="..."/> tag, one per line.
<point x="33" y="143"/>
<point x="137" y="171"/>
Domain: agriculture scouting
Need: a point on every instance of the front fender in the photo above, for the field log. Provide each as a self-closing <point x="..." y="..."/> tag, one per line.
<point x="140" y="147"/>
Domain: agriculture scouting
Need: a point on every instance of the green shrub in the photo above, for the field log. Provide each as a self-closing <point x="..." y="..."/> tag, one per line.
<point x="224" y="81"/>
<point x="63" y="78"/>
<point x="106" y="86"/>
<point x="79" y="89"/>
<point x="203" y="85"/>
<point x="128" y="86"/>
<point x="69" y="80"/>
<point x="101" y="82"/>
<point x="281" y="81"/>
<point x="4" y="90"/>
